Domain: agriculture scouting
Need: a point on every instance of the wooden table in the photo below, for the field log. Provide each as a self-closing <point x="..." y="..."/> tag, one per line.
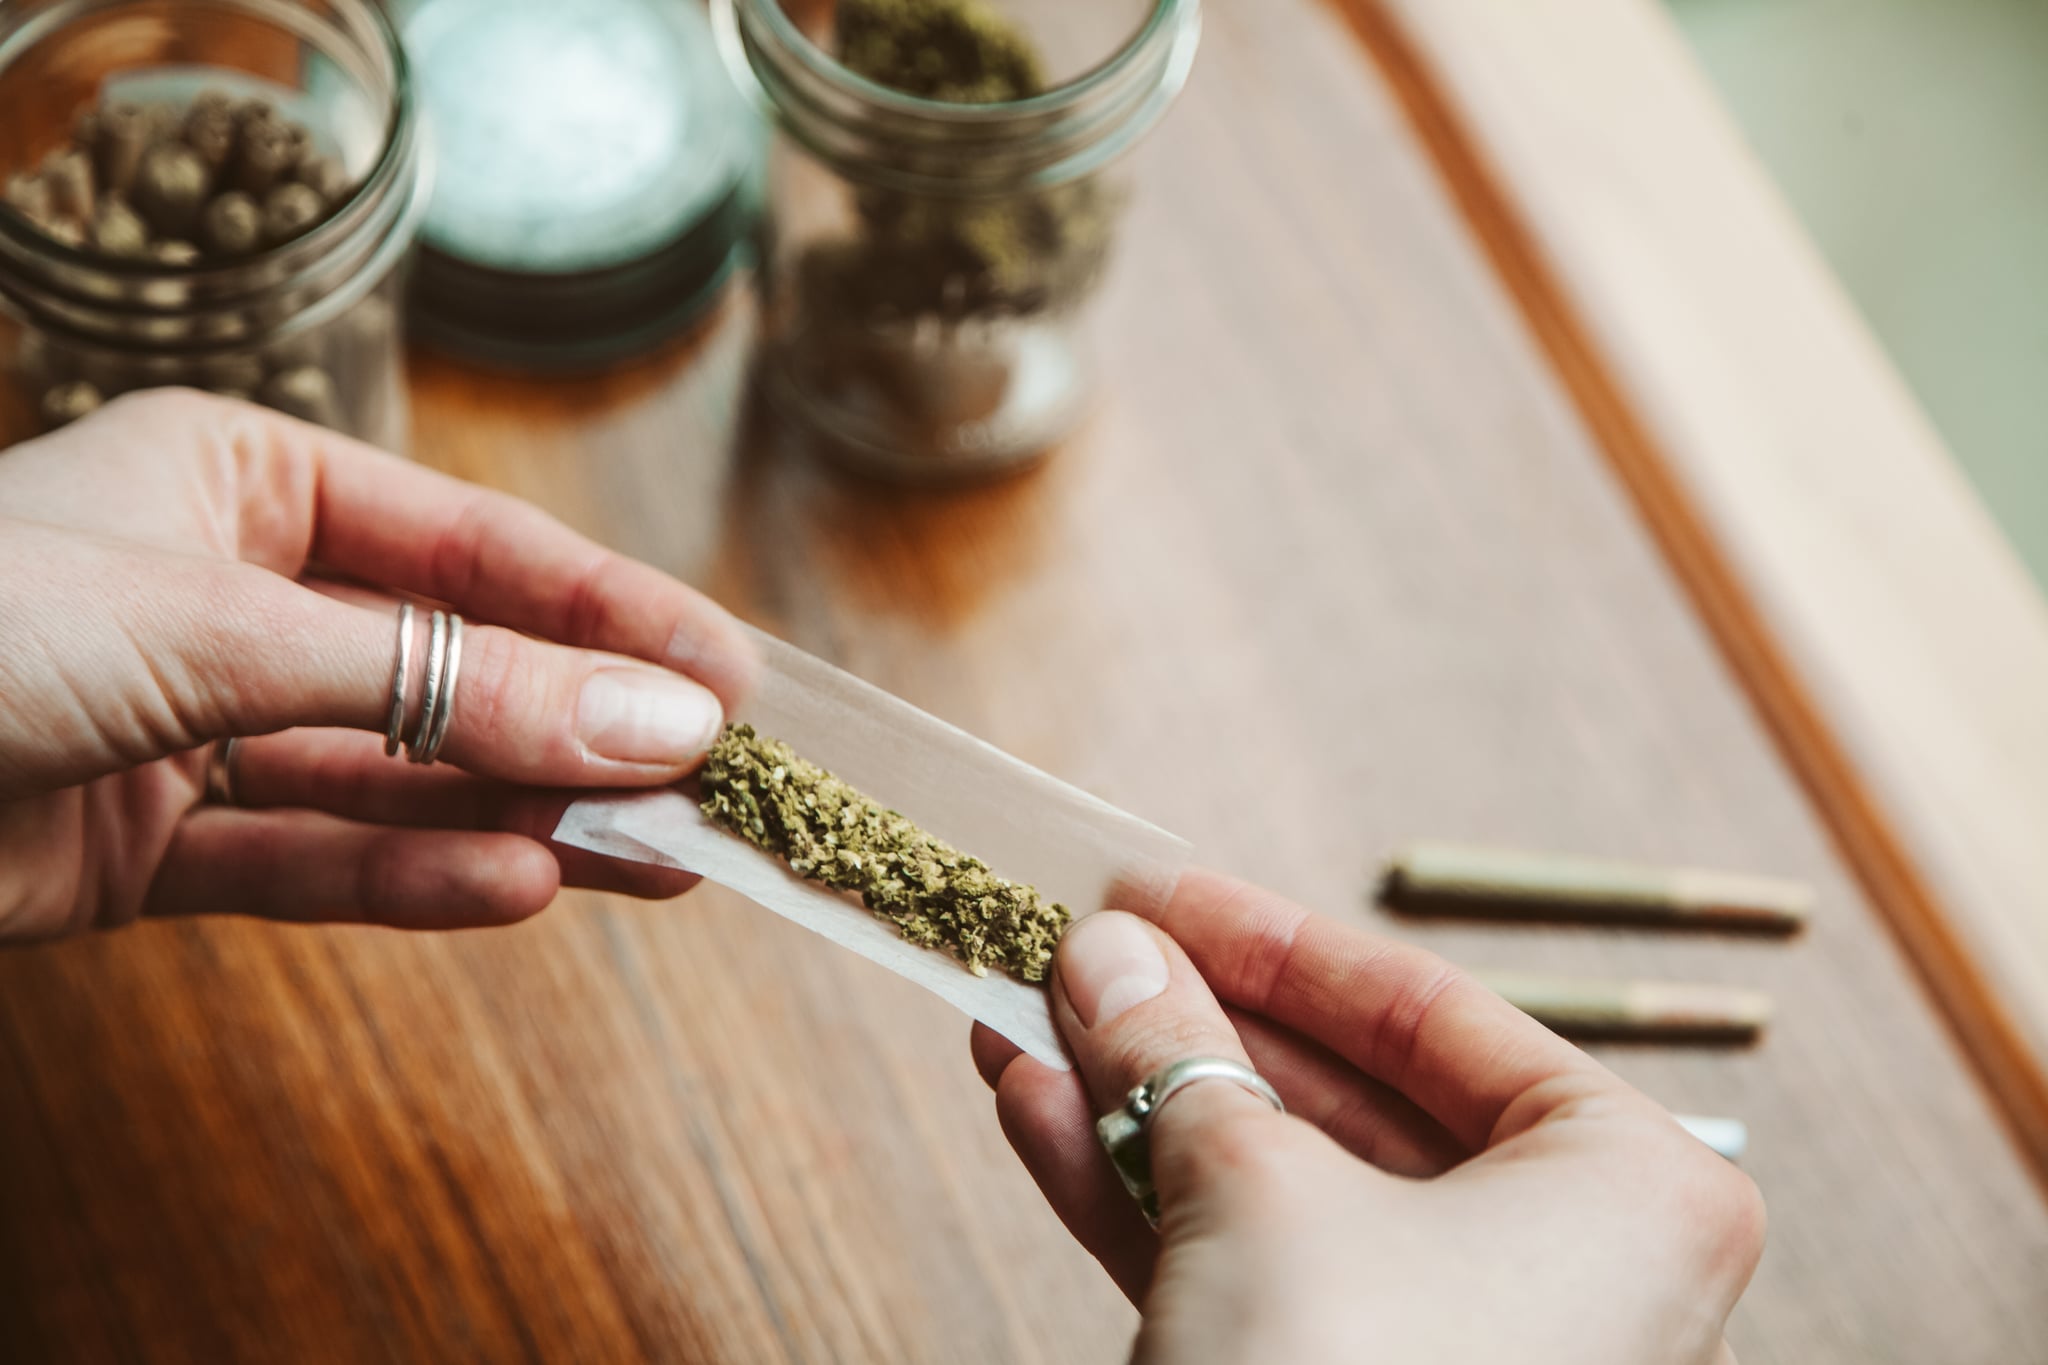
<point x="1336" y="563"/>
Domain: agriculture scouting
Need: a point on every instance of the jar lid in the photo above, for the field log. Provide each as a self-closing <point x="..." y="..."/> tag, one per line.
<point x="596" y="176"/>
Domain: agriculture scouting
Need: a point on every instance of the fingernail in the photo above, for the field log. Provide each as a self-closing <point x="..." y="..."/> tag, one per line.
<point x="645" y="715"/>
<point x="1108" y="963"/>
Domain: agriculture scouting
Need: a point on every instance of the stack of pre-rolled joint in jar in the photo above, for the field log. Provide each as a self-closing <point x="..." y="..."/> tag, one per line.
<point x="217" y="181"/>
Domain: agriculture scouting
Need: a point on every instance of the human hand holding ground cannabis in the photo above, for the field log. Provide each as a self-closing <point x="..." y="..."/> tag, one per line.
<point x="156" y="593"/>
<point x="1452" y="1182"/>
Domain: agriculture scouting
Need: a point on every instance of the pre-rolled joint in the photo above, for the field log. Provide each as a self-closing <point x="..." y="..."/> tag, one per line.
<point x="1463" y="879"/>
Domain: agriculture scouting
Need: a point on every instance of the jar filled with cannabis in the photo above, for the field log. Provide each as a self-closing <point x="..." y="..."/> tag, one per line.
<point x="943" y="196"/>
<point x="211" y="193"/>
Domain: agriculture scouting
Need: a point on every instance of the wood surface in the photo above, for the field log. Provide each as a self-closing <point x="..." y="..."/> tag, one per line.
<point x="1889" y="634"/>
<point x="1336" y="564"/>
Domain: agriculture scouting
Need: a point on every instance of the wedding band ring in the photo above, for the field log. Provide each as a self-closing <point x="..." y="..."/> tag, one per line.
<point x="220" y="772"/>
<point x="435" y="726"/>
<point x="1123" y="1132"/>
<point x="401" y="677"/>
<point x="430" y="690"/>
<point x="437" y="686"/>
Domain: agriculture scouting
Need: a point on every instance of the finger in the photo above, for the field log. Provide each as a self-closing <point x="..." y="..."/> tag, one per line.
<point x="1399" y="1014"/>
<point x="346" y="773"/>
<point x="662" y="681"/>
<point x="354" y="593"/>
<point x="543" y="714"/>
<point x="993" y="1053"/>
<point x="1366" y="1118"/>
<point x="306" y="867"/>
<point x="1047" y="1118"/>
<point x="1129" y="1002"/>
<point x="392" y="522"/>
<point x="1363" y="1116"/>
<point x="242" y="651"/>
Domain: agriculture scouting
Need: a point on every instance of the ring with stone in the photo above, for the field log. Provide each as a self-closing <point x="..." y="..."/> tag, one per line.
<point x="1123" y="1130"/>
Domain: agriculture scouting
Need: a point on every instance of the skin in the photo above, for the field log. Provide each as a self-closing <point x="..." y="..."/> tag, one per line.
<point x="1452" y="1182"/>
<point x="168" y="577"/>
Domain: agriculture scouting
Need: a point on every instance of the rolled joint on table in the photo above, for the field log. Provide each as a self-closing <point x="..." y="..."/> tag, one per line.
<point x="1591" y="1007"/>
<point x="1462" y="879"/>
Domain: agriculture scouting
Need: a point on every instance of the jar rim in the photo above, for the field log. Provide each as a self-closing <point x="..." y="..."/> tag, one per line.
<point x="824" y="65"/>
<point x="26" y="29"/>
<point x="885" y="137"/>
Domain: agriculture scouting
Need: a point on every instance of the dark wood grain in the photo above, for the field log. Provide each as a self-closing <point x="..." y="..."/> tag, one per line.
<point x="1335" y="563"/>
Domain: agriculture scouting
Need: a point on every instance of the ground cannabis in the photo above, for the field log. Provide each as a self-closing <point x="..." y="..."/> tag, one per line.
<point x="954" y="257"/>
<point x="935" y="895"/>
<point x="959" y="51"/>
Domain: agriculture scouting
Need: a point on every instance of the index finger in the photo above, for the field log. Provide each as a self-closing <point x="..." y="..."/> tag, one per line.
<point x="400" y="525"/>
<point x="1397" y="1013"/>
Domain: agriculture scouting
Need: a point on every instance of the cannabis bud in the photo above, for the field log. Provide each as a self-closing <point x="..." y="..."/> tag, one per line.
<point x="959" y="51"/>
<point x="935" y="895"/>
<point x="966" y="257"/>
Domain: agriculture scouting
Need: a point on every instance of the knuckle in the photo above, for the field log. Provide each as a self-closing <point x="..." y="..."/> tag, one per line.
<point x="181" y="406"/>
<point x="458" y="559"/>
<point x="1713" y="1212"/>
<point x="380" y="879"/>
<point x="1726" y="1209"/>
<point x="1155" y="1033"/>
<point x="1408" y="1016"/>
<point x="588" y="611"/>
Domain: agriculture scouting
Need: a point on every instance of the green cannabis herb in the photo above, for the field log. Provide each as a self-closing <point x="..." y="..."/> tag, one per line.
<point x="210" y="182"/>
<point x="935" y="895"/>
<point x="958" y="51"/>
<point x="954" y="258"/>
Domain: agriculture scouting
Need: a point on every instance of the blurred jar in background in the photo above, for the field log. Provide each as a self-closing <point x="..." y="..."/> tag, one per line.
<point x="926" y="264"/>
<point x="215" y="193"/>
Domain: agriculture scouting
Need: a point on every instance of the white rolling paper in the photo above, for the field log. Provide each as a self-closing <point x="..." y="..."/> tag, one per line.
<point x="1024" y="824"/>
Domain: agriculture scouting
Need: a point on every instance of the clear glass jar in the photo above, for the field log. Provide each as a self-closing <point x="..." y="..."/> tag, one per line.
<point x="925" y="267"/>
<point x="312" y="326"/>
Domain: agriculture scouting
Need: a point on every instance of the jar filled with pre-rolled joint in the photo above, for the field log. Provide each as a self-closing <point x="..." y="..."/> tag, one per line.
<point x="943" y="196"/>
<point x="210" y="193"/>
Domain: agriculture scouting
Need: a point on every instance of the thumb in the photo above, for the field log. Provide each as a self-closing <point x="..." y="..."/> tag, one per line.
<point x="1128" y="1002"/>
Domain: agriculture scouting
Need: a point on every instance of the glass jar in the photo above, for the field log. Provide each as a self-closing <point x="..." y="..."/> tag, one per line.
<point x="925" y="267"/>
<point x="311" y="326"/>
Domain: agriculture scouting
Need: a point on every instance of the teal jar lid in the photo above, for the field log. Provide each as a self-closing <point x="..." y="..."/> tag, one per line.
<point x="597" y="176"/>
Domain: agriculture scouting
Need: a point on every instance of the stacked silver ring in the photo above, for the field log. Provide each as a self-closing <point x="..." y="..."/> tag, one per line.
<point x="220" y="772"/>
<point x="437" y="685"/>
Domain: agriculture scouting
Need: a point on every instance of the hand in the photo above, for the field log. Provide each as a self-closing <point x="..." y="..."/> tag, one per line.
<point x="1452" y="1182"/>
<point x="156" y="593"/>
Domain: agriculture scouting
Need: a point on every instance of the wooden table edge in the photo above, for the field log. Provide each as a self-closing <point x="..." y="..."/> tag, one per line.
<point x="1526" y="110"/>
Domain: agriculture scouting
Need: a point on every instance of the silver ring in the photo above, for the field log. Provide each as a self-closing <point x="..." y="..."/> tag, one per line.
<point x="401" y="678"/>
<point x="220" y="772"/>
<point x="430" y="683"/>
<point x="437" y="688"/>
<point x="435" y="726"/>
<point x="1122" y="1131"/>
